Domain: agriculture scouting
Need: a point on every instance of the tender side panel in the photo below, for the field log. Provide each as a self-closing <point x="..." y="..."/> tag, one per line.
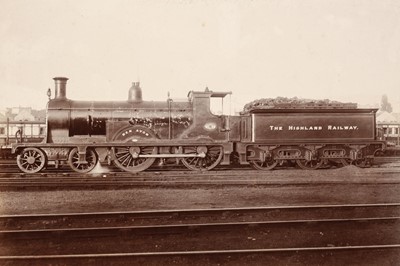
<point x="309" y="127"/>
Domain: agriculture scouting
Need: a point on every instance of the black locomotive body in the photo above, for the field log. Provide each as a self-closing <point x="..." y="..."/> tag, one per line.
<point x="132" y="134"/>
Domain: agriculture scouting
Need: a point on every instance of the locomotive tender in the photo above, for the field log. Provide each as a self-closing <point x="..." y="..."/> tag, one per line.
<point x="132" y="134"/>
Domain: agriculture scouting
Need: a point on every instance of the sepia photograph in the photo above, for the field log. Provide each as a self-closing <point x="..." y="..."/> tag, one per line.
<point x="200" y="132"/>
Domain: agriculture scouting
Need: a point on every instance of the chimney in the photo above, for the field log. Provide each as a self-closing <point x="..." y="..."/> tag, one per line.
<point x="61" y="88"/>
<point x="135" y="93"/>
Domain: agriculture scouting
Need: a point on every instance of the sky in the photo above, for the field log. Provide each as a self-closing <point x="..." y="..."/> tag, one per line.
<point x="343" y="50"/>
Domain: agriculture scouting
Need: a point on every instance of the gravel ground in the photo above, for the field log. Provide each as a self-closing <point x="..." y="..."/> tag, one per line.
<point x="192" y="197"/>
<point x="375" y="187"/>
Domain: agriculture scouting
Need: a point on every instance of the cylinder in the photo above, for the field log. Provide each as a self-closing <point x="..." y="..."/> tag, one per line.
<point x="60" y="87"/>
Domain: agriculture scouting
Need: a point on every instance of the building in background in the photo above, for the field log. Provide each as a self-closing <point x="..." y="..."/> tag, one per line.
<point x="21" y="124"/>
<point x="389" y="126"/>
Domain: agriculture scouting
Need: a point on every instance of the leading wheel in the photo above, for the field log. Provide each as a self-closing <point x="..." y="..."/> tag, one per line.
<point x="309" y="165"/>
<point x="31" y="160"/>
<point x="268" y="164"/>
<point x="212" y="157"/>
<point x="80" y="167"/>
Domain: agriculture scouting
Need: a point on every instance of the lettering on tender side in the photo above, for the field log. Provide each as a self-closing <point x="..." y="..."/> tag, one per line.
<point x="330" y="127"/>
<point x="314" y="128"/>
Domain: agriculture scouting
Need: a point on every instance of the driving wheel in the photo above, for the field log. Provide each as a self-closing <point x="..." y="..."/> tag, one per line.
<point x="128" y="157"/>
<point x="212" y="157"/>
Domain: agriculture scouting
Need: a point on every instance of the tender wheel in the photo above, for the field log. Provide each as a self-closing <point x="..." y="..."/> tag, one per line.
<point x="346" y="162"/>
<point x="359" y="162"/>
<point x="73" y="161"/>
<point x="326" y="164"/>
<point x="268" y="164"/>
<point x="362" y="163"/>
<point x="31" y="160"/>
<point x="309" y="165"/>
<point x="213" y="156"/>
<point x="334" y="163"/>
<point x="127" y="160"/>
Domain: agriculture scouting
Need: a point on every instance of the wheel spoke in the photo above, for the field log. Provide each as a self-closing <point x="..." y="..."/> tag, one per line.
<point x="124" y="160"/>
<point x="122" y="152"/>
<point x="125" y="154"/>
<point x="192" y="160"/>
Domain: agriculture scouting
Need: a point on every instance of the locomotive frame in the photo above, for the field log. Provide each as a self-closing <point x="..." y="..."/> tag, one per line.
<point x="132" y="134"/>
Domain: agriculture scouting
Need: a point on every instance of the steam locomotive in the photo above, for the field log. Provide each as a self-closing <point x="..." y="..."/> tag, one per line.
<point x="133" y="134"/>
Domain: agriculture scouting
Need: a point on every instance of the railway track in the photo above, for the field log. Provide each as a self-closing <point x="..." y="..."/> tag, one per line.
<point x="189" y="216"/>
<point x="10" y="166"/>
<point x="331" y="234"/>
<point x="184" y="179"/>
<point x="110" y="171"/>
